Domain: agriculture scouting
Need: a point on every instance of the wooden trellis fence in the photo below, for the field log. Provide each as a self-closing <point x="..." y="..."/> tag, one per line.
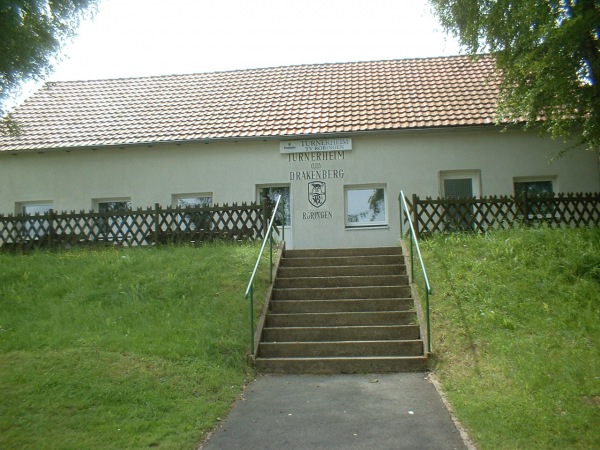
<point x="443" y="215"/>
<point x="152" y="226"/>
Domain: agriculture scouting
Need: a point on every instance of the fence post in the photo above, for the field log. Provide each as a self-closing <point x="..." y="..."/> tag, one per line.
<point x="525" y="207"/>
<point x="415" y="204"/>
<point x="51" y="217"/>
<point x="265" y="218"/>
<point x="156" y="222"/>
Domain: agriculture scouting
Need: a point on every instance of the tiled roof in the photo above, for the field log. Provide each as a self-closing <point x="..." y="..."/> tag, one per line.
<point x="274" y="102"/>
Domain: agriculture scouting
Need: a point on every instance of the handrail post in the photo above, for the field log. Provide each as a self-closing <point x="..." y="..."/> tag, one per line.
<point x="412" y="260"/>
<point x="268" y="234"/>
<point x="252" y="319"/>
<point x="414" y="245"/>
<point x="428" y="319"/>
<point x="401" y="216"/>
<point x="271" y="257"/>
<point x="283" y="219"/>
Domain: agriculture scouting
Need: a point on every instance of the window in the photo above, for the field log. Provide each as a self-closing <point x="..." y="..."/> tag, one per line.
<point x="193" y="220"/>
<point x="35" y="227"/>
<point x="536" y="190"/>
<point x="31" y="209"/>
<point x="458" y="188"/>
<point x="112" y="226"/>
<point x="365" y="206"/>
<point x="114" y="206"/>
<point x="271" y="194"/>
<point x="459" y="184"/>
<point x="193" y="200"/>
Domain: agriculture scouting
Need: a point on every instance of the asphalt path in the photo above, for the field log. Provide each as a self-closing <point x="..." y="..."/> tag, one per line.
<point x="387" y="411"/>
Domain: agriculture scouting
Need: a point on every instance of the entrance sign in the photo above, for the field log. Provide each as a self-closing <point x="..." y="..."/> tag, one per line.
<point x="315" y="145"/>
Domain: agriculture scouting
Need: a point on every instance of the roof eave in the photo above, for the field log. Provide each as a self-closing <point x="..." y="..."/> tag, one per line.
<point x="279" y="137"/>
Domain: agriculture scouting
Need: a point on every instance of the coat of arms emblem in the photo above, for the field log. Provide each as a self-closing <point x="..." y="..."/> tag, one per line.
<point x="316" y="193"/>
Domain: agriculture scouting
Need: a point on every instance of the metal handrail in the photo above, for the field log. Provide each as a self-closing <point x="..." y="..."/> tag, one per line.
<point x="250" y="288"/>
<point x="414" y="243"/>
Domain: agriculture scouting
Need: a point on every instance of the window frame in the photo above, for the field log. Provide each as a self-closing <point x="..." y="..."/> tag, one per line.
<point x="29" y="230"/>
<point x="20" y="207"/>
<point x="194" y="221"/>
<point x="460" y="217"/>
<point x="269" y="192"/>
<point x="522" y="180"/>
<point x="366" y="224"/>
<point x="112" y="228"/>
<point x="96" y="202"/>
<point x="473" y="174"/>
<point x="176" y="198"/>
<point x="544" y="210"/>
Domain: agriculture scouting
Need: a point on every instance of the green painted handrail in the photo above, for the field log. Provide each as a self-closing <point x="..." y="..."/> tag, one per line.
<point x="414" y="243"/>
<point x="250" y="288"/>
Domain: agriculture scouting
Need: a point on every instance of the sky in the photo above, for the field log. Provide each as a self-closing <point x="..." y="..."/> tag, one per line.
<point x="133" y="38"/>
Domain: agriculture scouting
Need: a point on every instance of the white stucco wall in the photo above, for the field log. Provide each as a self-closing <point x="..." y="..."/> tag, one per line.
<point x="231" y="171"/>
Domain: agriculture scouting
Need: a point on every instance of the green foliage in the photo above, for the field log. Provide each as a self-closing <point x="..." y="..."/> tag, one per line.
<point x="516" y="334"/>
<point x="122" y="348"/>
<point x="32" y="33"/>
<point x="548" y="53"/>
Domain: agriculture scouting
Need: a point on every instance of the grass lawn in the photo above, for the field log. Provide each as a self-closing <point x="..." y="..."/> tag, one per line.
<point x="516" y="335"/>
<point x="118" y="349"/>
<point x="138" y="348"/>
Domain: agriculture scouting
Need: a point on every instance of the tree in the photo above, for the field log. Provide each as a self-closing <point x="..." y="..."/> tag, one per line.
<point x="547" y="53"/>
<point x="32" y="33"/>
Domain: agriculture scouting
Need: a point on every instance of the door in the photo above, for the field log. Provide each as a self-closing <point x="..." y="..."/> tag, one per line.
<point x="284" y="216"/>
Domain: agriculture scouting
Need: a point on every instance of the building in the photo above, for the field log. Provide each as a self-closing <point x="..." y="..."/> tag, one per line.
<point x="339" y="141"/>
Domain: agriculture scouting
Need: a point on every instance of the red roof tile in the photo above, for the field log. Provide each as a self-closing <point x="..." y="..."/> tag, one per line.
<point x="280" y="101"/>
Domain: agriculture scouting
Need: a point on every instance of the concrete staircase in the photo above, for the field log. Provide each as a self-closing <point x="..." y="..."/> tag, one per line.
<point x="341" y="311"/>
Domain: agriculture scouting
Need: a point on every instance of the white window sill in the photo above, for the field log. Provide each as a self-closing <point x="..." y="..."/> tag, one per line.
<point x="384" y="226"/>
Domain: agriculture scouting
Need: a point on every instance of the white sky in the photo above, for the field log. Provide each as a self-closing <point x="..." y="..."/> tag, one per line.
<point x="130" y="38"/>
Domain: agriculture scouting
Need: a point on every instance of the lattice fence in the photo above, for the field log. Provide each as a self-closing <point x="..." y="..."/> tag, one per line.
<point x="152" y="226"/>
<point x="443" y="215"/>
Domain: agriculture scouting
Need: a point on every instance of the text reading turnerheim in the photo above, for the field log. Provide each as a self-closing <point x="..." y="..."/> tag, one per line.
<point x="316" y="145"/>
<point x="325" y="145"/>
<point x="313" y="157"/>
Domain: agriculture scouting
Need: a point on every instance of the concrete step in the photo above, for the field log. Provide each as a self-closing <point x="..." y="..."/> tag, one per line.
<point x="342" y="281"/>
<point x="341" y="311"/>
<point x="360" y="364"/>
<point x="340" y="348"/>
<point x="352" y="305"/>
<point x="341" y="333"/>
<point x="326" y="252"/>
<point x="341" y="260"/>
<point x="336" y="271"/>
<point x="342" y="319"/>
<point x="364" y="292"/>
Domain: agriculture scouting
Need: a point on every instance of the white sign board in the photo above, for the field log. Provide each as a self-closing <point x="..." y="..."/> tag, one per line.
<point x="316" y="145"/>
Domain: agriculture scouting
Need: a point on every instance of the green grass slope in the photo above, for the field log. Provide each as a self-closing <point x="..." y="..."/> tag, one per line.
<point x="117" y="349"/>
<point x="516" y="335"/>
